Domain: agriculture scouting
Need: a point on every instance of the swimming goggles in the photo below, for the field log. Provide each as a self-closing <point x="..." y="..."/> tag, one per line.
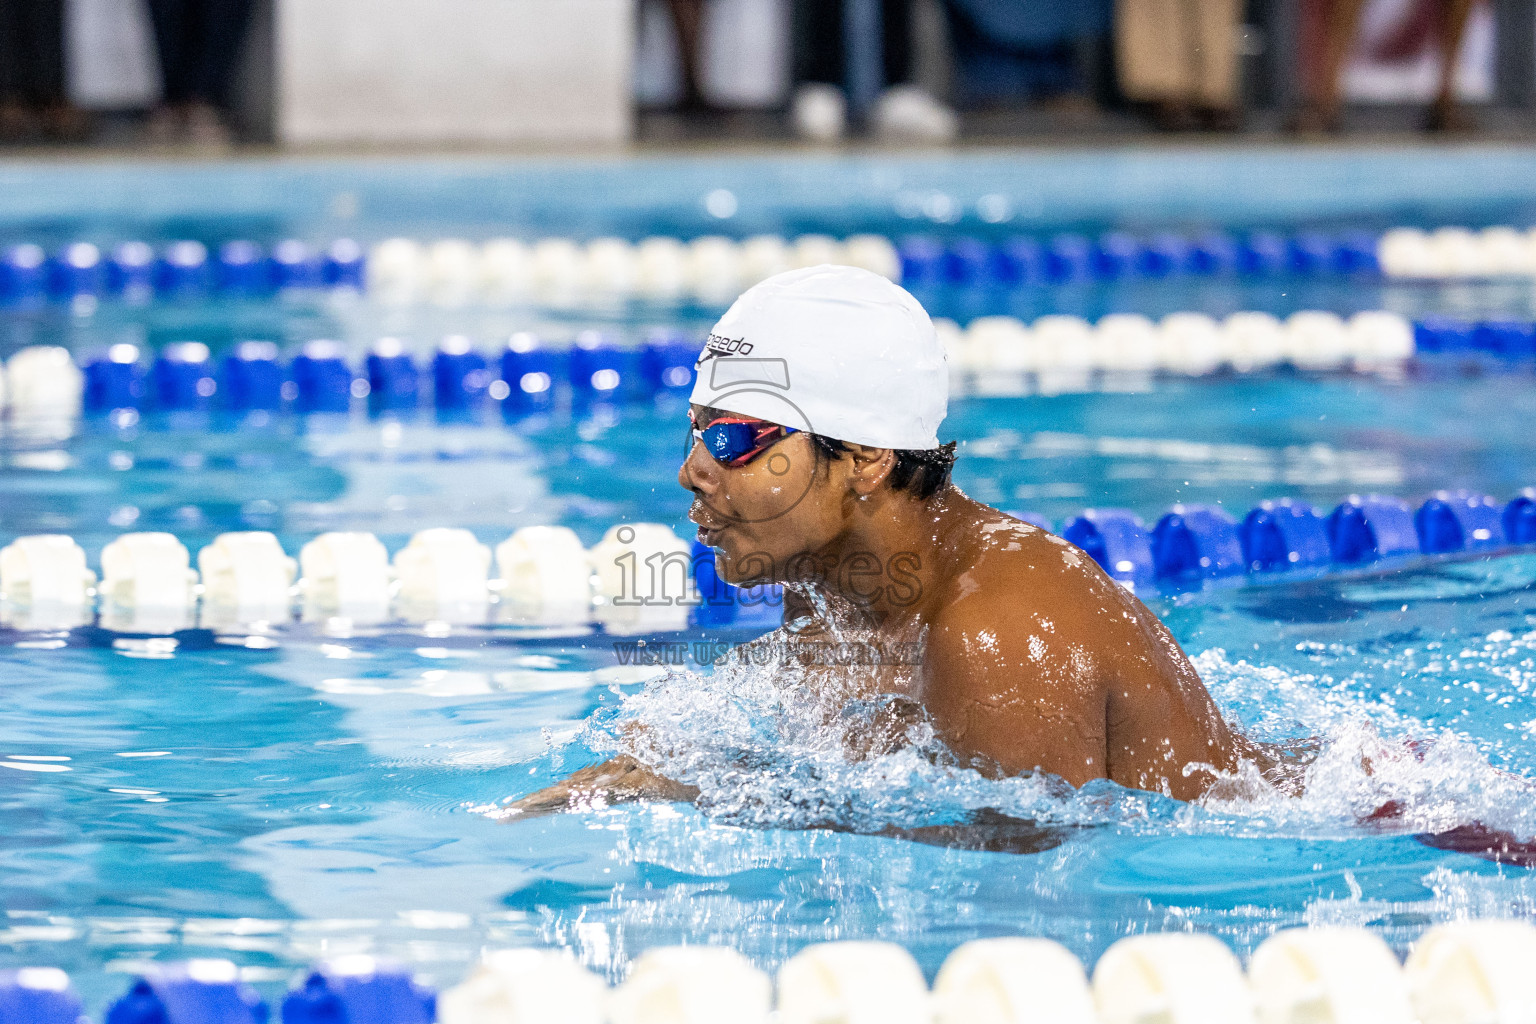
<point x="737" y="440"/>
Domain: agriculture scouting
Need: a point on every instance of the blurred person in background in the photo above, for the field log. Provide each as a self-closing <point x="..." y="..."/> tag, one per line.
<point x="1332" y="27"/>
<point x="199" y="45"/>
<point x="33" y="99"/>
<point x="1180" y="56"/>
<point x="1039" y="51"/>
<point x="688" y="23"/>
<point x="819" y="108"/>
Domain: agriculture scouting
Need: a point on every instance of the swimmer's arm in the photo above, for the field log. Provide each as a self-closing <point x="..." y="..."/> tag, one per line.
<point x="1001" y="703"/>
<point x="1165" y="733"/>
<point x="620" y="779"/>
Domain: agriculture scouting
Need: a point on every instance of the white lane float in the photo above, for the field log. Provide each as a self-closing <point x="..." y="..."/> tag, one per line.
<point x="148" y="584"/>
<point x="852" y="983"/>
<point x="453" y="272"/>
<point x="1126" y="344"/>
<point x="44" y="582"/>
<point x="644" y="578"/>
<point x="247" y="581"/>
<point x="1255" y="340"/>
<point x="1063" y="349"/>
<point x="1328" y="976"/>
<point x="873" y="253"/>
<point x="1171" y="978"/>
<point x="525" y="986"/>
<point x="1378" y="341"/>
<point x="42" y="382"/>
<point x="661" y="269"/>
<point x="692" y="985"/>
<point x="1474" y="972"/>
<point x="1316" y="340"/>
<point x="814" y="250"/>
<point x="546" y="578"/>
<point x="444" y="577"/>
<point x="506" y="271"/>
<point x="997" y="352"/>
<point x="396" y="271"/>
<point x="762" y="256"/>
<point x="1191" y="343"/>
<point x="558" y="267"/>
<point x="1012" y="981"/>
<point x="344" y="575"/>
<point x="612" y="267"/>
<point x="714" y="269"/>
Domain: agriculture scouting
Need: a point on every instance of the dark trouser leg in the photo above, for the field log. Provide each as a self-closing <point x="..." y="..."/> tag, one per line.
<point x="170" y="18"/>
<point x="42" y="54"/>
<point x="1453" y="26"/>
<point x="220" y="32"/>
<point x="12" y="50"/>
<point x="896" y="24"/>
<point x="818" y="41"/>
<point x="688" y="23"/>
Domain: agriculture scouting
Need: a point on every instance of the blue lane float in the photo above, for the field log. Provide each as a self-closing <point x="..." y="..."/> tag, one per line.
<point x="113" y="381"/>
<point x="181" y="378"/>
<point x="1280" y="535"/>
<point x="718" y="600"/>
<point x="77" y="270"/>
<point x="666" y="362"/>
<point x="251" y="379"/>
<point x="1117" y="540"/>
<point x="322" y="380"/>
<point x="131" y="270"/>
<point x="1262" y="254"/>
<point x="1068" y="258"/>
<point x="1366" y="529"/>
<point x="1519" y="518"/>
<point x="459" y="376"/>
<point x="183" y="270"/>
<point x="530" y="372"/>
<point x="23" y="275"/>
<point x="359" y="990"/>
<point x="1196" y="542"/>
<point x="1458" y="521"/>
<point x="177" y="270"/>
<point x="601" y="370"/>
<point x="194" y="992"/>
<point x="394" y="382"/>
<point x="240" y="268"/>
<point x="38" y="995"/>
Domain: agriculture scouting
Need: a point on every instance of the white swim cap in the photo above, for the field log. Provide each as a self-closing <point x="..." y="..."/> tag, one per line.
<point x="837" y="351"/>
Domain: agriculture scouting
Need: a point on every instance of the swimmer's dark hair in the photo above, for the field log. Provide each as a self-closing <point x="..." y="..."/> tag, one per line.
<point x="921" y="472"/>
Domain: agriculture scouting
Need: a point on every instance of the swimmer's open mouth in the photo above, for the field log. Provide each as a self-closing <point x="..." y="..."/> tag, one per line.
<point x="708" y="531"/>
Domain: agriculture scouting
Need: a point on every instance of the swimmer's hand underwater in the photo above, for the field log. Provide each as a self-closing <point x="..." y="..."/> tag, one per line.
<point x="617" y="780"/>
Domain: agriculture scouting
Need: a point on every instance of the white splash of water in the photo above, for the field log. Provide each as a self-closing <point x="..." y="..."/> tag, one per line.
<point x="769" y="746"/>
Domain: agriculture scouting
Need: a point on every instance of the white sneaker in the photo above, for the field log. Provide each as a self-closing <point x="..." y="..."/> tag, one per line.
<point x="908" y="113"/>
<point x="819" y="113"/>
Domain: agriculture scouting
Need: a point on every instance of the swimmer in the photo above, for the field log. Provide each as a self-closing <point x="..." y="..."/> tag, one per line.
<point x="816" y="463"/>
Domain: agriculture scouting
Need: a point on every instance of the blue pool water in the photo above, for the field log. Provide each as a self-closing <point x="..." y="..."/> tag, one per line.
<point x="287" y="799"/>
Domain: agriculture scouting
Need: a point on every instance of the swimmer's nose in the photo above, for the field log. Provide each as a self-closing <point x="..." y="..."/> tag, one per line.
<point x="699" y="472"/>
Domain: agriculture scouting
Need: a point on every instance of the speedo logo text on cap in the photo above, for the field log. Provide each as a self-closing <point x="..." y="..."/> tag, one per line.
<point x="719" y="345"/>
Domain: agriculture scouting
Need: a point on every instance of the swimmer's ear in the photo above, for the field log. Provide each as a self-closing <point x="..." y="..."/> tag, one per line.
<point x="868" y="467"/>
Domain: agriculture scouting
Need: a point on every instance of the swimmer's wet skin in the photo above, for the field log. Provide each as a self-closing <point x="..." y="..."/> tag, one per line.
<point x="1031" y="658"/>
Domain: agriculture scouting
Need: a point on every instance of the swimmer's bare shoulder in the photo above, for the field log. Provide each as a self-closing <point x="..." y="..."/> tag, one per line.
<point x="1036" y="659"/>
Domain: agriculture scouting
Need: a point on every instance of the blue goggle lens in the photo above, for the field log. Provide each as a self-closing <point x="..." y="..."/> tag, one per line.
<point x="728" y="442"/>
